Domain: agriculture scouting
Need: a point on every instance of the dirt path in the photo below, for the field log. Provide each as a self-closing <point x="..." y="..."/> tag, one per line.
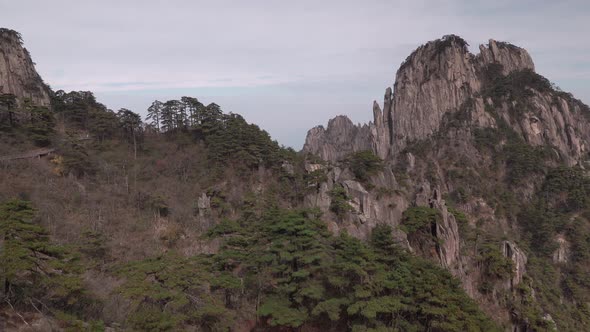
<point x="28" y="154"/>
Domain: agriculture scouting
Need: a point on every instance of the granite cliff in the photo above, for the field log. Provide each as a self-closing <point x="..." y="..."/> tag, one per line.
<point x="470" y="136"/>
<point x="442" y="78"/>
<point x="18" y="76"/>
<point x="473" y="163"/>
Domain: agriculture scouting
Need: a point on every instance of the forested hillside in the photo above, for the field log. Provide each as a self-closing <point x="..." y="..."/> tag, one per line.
<point x="462" y="207"/>
<point x="195" y="219"/>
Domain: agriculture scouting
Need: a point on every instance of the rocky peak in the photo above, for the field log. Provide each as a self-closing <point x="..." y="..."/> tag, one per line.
<point x="511" y="57"/>
<point x="340" y="138"/>
<point x="18" y="76"/>
<point x="435" y="80"/>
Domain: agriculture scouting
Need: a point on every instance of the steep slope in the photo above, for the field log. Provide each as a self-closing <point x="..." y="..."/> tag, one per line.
<point x="199" y="226"/>
<point x="470" y="145"/>
<point x="438" y="80"/>
<point x="469" y="191"/>
<point x="18" y="76"/>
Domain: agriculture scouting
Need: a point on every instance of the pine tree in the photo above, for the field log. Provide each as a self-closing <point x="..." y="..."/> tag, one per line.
<point x="169" y="115"/>
<point x="153" y="114"/>
<point x="7" y="108"/>
<point x="194" y="109"/>
<point x="32" y="268"/>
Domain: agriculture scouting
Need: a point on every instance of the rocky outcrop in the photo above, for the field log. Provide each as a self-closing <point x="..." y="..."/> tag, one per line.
<point x="513" y="252"/>
<point x="367" y="208"/>
<point x="18" y="76"/>
<point x="445" y="131"/>
<point x="511" y="57"/>
<point x="552" y="119"/>
<point x="204" y="205"/>
<point x="435" y="80"/>
<point x="340" y="138"/>
<point x="446" y="231"/>
<point x="563" y="251"/>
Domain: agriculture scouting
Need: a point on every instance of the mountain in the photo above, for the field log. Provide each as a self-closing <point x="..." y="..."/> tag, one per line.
<point x="442" y="78"/>
<point x="483" y="141"/>
<point x="18" y="76"/>
<point x="462" y="207"/>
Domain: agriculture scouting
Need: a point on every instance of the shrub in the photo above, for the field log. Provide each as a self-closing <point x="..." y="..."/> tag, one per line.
<point x="419" y="219"/>
<point x="339" y="201"/>
<point x="523" y="160"/>
<point x="364" y="164"/>
<point x="495" y="264"/>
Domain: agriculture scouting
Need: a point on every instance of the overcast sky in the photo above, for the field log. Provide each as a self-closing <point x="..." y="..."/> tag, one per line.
<point x="285" y="65"/>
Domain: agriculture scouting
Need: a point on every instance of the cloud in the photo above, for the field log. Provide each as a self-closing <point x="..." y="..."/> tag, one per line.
<point x="284" y="65"/>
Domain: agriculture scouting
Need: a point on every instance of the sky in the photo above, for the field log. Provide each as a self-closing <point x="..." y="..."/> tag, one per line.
<point x="284" y="65"/>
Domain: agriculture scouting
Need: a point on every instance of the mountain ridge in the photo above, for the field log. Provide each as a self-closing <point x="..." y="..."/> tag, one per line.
<point x="474" y="173"/>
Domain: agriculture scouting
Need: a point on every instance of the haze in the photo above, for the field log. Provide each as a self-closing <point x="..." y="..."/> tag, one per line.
<point x="286" y="66"/>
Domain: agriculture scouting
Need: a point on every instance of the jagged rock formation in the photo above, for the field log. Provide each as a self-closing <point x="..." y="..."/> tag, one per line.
<point x="18" y="76"/>
<point x="518" y="257"/>
<point x="343" y="137"/>
<point x="445" y="105"/>
<point x="442" y="78"/>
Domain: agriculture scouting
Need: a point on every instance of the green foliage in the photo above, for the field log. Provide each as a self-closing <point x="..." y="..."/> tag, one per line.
<point x="364" y="164"/>
<point x="339" y="201"/>
<point x="495" y="264"/>
<point x="569" y="188"/>
<point x="523" y="160"/>
<point x="130" y="123"/>
<point x="306" y="276"/>
<point x="419" y="219"/>
<point x="558" y="208"/>
<point x="32" y="267"/>
<point x="232" y="139"/>
<point x="461" y="218"/>
<point x="175" y="290"/>
<point x="487" y="138"/>
<point x="148" y="318"/>
<point x="40" y="127"/>
<point x="94" y="244"/>
<point x="514" y="86"/>
<point x="279" y="308"/>
<point x="540" y="226"/>
<point x="381" y="238"/>
<point x="440" y="45"/>
<point x="76" y="160"/>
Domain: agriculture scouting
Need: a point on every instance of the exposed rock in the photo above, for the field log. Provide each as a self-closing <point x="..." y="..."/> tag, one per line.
<point x="288" y="168"/>
<point x="17" y="71"/>
<point x="436" y="79"/>
<point x="427" y="132"/>
<point x="562" y="253"/>
<point x="518" y="257"/>
<point x="509" y="56"/>
<point x="309" y="167"/>
<point x="204" y="205"/>
<point x="447" y="232"/>
<point x="447" y="245"/>
<point x="339" y="139"/>
<point x="360" y="199"/>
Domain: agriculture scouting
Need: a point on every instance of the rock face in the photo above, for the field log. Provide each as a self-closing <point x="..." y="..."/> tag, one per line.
<point x="340" y="138"/>
<point x="442" y="78"/>
<point x="519" y="259"/>
<point x="563" y="251"/>
<point x="17" y="71"/>
<point x="444" y="132"/>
